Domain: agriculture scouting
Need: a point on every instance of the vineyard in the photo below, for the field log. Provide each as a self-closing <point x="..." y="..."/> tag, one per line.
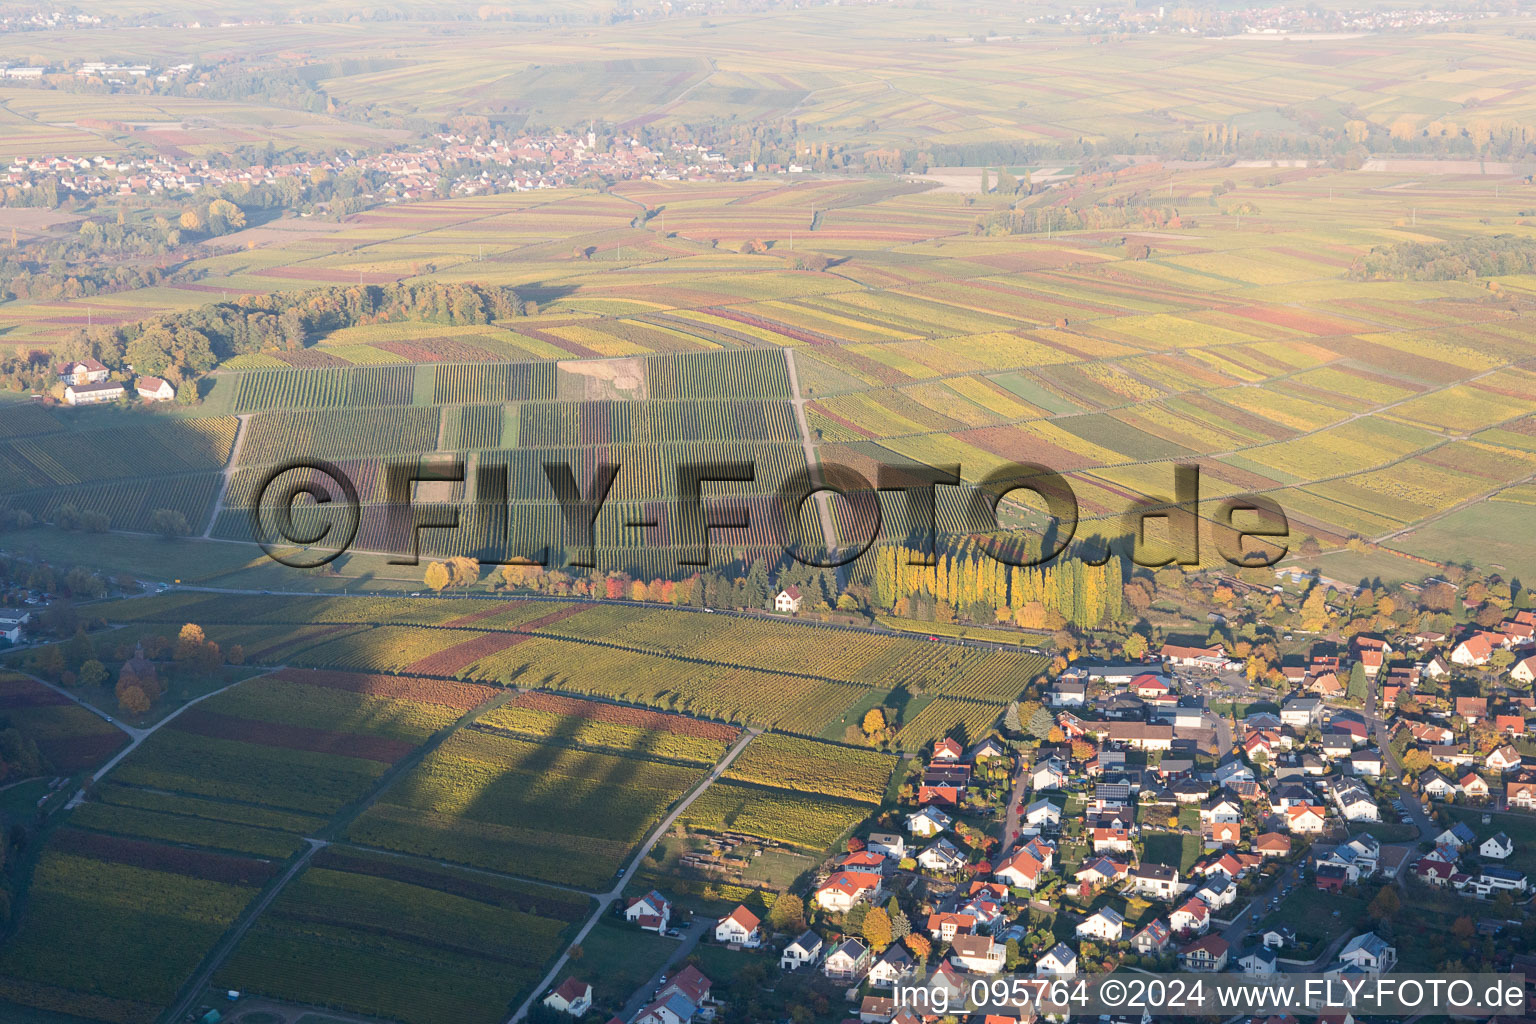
<point x="266" y="390"/>
<point x="68" y="737"/>
<point x="536" y="809"/>
<point x="805" y="766"/>
<point x="402" y="939"/>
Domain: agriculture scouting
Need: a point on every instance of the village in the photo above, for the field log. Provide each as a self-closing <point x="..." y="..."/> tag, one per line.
<point x="1156" y="826"/>
<point x="451" y="165"/>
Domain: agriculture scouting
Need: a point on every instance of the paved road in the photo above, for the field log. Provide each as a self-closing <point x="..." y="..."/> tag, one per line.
<point x="813" y="464"/>
<point x="1015" y="800"/>
<point x="1253" y="918"/>
<point x="606" y="899"/>
<point x="1378" y="727"/>
<point x="685" y="946"/>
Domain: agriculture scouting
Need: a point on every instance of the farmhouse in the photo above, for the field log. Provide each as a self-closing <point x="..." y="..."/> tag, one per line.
<point x="788" y="601"/>
<point x="154" y="389"/>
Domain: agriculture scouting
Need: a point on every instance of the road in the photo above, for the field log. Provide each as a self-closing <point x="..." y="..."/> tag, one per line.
<point x="136" y="736"/>
<point x="1015" y="801"/>
<point x="1378" y="726"/>
<point x="1239" y="930"/>
<point x="685" y="946"/>
<point x="606" y="900"/>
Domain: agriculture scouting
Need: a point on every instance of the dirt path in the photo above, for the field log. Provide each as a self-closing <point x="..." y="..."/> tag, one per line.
<point x="822" y="498"/>
<point x="229" y="474"/>
<point x="606" y="900"/>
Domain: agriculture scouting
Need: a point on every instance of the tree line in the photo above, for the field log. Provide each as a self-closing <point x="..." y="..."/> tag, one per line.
<point x="1475" y="256"/>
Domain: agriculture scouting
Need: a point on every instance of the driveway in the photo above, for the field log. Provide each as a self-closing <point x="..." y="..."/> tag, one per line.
<point x="685" y="945"/>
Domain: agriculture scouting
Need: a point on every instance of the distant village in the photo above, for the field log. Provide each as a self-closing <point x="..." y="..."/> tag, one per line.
<point x="453" y="165"/>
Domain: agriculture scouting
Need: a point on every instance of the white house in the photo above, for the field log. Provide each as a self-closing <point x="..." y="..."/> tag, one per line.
<point x="1156" y="880"/>
<point x="844" y="889"/>
<point x="1107" y="926"/>
<point x="804" y="950"/>
<point x="11" y="621"/>
<point x="1369" y="953"/>
<point x="573" y="997"/>
<point x="650" y="911"/>
<point x="787" y="601"/>
<point x="1524" y="671"/>
<point x="894" y="966"/>
<point x="1042" y="814"/>
<point x="943" y="856"/>
<point x="1497" y="847"/>
<point x="848" y="962"/>
<point x="928" y="822"/>
<point x="887" y="844"/>
<point x="154" y="389"/>
<point x="1192" y="917"/>
<point x="1049" y="774"/>
<point x="979" y="954"/>
<point x="86" y="371"/>
<point x="1060" y="960"/>
<point x="1355" y="802"/>
<point x="740" y="927"/>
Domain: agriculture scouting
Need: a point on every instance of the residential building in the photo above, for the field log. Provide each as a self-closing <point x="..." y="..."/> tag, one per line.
<point x="572" y="996"/>
<point x="740" y="927"/>
<point x="806" y="949"/>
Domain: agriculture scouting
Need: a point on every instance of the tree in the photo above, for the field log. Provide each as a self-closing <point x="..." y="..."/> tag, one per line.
<point x="877" y="929"/>
<point x="437" y="577"/>
<point x="169" y="523"/>
<point x="1386" y="904"/>
<point x="189" y="641"/>
<point x="787" y="914"/>
<point x="92" y="673"/>
<point x="1011" y="721"/>
<point x="901" y="925"/>
<point x="919" y="945"/>
<point x="1357" y="689"/>
<point x="1416" y="761"/>
<point x="131" y="699"/>
<point x="1463" y="928"/>
<point x="874" y="722"/>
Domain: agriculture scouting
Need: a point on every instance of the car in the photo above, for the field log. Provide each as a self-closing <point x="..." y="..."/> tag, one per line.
<point x="109" y="718"/>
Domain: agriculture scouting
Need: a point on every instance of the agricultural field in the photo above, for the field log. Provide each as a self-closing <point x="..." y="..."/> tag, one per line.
<point x="538" y="810"/>
<point x="727" y="669"/>
<point x="68" y="737"/>
<point x="402" y="939"/>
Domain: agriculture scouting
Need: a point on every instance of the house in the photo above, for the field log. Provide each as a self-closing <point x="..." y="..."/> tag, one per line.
<point x="1355" y="802"/>
<point x="1272" y="844"/>
<point x="945" y="926"/>
<point x="1497" y="847"/>
<point x="928" y="822"/>
<point x="650" y="911"/>
<point x="1509" y="725"/>
<point x="1524" y="671"/>
<point x="1116" y="840"/>
<point x="1069" y="693"/>
<point x="1223" y="808"/>
<point x="1365" y="763"/>
<point x="1049" y="774"/>
<point x="1300" y="713"/>
<point x="1156" y="880"/>
<point x="1042" y="814"/>
<point x="1100" y="871"/>
<point x="987" y="748"/>
<point x="1473" y="651"/>
<point x="674" y="1008"/>
<point x="1278" y="937"/>
<point x="1473" y="786"/>
<point x="1152" y="939"/>
<point x="1503" y="759"/>
<point x="93" y="394"/>
<point x="877" y="1009"/>
<point x="1107" y="926"/>
<point x="1332" y="877"/>
<point x="573" y="997"/>
<point x="844" y="889"/>
<point x="11" y="621"/>
<point x="887" y="844"/>
<point x="1141" y="736"/>
<point x="1191" y="657"/>
<point x="86" y="371"/>
<point x="1260" y="961"/>
<point x="154" y="389"/>
<point x="1304" y="819"/>
<point x="850" y="961"/>
<point x="948" y="749"/>
<point x="740" y="927"/>
<point x="689" y="982"/>
<point x="1496" y="878"/>
<point x="1192" y="917"/>
<point x="943" y="857"/>
<point x="1218" y="834"/>
<point x="1022" y="869"/>
<point x="1207" y="955"/>
<point x="1521" y="793"/>
<point x="788" y="601"/>
<point x="894" y="966"/>
<point x="1061" y="960"/>
<point x="1149" y="685"/>
<point x="1369" y="953"/>
<point x="1432" y="871"/>
<point x="1436" y="786"/>
<point x="804" y="950"/>
<point x="979" y="954"/>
